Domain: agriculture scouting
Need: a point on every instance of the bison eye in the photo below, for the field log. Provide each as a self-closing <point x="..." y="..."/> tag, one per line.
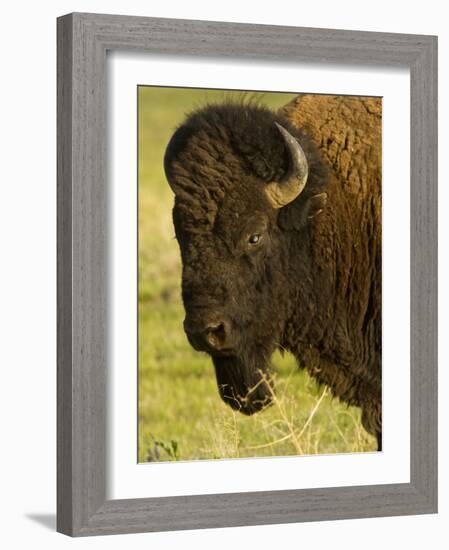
<point x="254" y="239"/>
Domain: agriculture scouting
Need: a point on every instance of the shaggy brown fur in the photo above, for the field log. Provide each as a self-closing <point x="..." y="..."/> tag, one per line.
<point x="312" y="285"/>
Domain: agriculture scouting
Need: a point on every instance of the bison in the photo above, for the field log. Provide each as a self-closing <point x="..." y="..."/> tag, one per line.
<point x="278" y="220"/>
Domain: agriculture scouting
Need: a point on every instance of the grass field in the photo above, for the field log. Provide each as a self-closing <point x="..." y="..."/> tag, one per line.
<point x="181" y="416"/>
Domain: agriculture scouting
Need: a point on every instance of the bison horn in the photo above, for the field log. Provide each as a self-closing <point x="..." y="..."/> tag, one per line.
<point x="285" y="191"/>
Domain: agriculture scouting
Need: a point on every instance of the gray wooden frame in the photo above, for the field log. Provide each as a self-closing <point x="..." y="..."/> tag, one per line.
<point x="83" y="40"/>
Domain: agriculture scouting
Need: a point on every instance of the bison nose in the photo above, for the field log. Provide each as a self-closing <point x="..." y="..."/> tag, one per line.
<point x="208" y="336"/>
<point x="216" y="335"/>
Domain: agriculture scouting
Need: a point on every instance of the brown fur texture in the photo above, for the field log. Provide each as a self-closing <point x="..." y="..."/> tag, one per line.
<point x="344" y="348"/>
<point x="312" y="284"/>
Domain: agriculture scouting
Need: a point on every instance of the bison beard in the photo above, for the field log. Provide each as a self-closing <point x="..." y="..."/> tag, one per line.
<point x="244" y="383"/>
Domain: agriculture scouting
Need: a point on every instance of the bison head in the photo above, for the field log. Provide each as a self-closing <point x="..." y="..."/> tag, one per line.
<point x="240" y="178"/>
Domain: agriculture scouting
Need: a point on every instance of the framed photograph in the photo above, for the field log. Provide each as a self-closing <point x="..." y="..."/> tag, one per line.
<point x="247" y="279"/>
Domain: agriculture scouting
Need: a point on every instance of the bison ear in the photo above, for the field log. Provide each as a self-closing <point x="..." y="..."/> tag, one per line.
<point x="316" y="204"/>
<point x="298" y="215"/>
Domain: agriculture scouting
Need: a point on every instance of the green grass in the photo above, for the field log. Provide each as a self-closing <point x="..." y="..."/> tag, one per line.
<point x="181" y="416"/>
